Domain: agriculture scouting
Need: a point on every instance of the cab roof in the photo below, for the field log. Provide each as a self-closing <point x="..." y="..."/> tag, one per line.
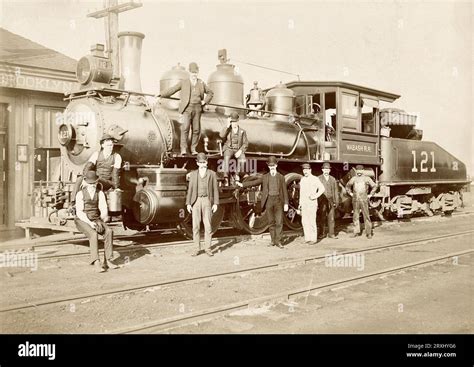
<point x="307" y="87"/>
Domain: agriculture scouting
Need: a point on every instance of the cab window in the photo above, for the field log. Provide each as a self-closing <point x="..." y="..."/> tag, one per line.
<point x="369" y="108"/>
<point x="350" y="111"/>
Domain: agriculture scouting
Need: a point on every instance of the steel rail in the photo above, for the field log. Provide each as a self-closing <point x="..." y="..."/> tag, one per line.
<point x="207" y="314"/>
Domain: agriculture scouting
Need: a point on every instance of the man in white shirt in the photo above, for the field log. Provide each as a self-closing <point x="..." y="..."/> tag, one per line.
<point x="91" y="215"/>
<point x="106" y="163"/>
<point x="311" y="189"/>
<point x="202" y="200"/>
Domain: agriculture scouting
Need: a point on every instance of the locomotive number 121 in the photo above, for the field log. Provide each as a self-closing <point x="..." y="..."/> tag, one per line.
<point x="423" y="162"/>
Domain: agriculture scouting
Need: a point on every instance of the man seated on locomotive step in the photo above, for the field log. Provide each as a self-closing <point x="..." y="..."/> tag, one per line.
<point x="235" y="144"/>
<point x="190" y="106"/>
<point x="106" y="163"/>
<point x="91" y="215"/>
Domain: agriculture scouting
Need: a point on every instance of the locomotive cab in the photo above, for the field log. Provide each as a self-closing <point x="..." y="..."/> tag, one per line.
<point x="349" y="115"/>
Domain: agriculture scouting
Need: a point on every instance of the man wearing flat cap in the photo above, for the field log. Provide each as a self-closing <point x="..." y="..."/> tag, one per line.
<point x="328" y="202"/>
<point x="91" y="215"/>
<point x="311" y="189"/>
<point x="274" y="198"/>
<point x="202" y="200"/>
<point x="190" y="106"/>
<point x="235" y="144"/>
<point x="357" y="188"/>
<point x="106" y="163"/>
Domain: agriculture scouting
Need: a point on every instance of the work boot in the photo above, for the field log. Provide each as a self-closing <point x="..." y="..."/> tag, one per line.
<point x="112" y="265"/>
<point x="99" y="268"/>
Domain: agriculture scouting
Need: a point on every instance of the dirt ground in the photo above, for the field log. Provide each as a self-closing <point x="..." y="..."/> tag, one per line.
<point x="73" y="276"/>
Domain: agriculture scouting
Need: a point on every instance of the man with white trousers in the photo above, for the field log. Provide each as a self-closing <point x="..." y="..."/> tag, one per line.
<point x="311" y="188"/>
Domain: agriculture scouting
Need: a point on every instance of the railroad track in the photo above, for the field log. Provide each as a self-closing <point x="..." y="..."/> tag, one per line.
<point x="210" y="313"/>
<point x="158" y="234"/>
<point x="263" y="267"/>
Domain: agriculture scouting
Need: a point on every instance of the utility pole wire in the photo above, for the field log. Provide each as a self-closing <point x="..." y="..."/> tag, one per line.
<point x="267" y="68"/>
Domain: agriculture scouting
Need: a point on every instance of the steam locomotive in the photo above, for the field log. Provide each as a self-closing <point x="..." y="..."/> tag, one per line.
<point x="302" y="121"/>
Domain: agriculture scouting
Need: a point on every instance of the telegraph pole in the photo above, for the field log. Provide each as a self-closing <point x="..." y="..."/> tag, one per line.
<point x="110" y="14"/>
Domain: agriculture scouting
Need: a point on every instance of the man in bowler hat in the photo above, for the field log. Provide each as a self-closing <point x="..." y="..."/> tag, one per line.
<point x="311" y="189"/>
<point x="190" y="106"/>
<point x="328" y="202"/>
<point x="235" y="144"/>
<point x="202" y="200"/>
<point x="274" y="198"/>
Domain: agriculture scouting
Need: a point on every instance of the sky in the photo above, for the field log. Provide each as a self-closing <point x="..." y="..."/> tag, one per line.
<point x="418" y="49"/>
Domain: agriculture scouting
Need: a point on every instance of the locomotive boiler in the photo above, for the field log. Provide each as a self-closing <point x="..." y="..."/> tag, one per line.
<point x="309" y="121"/>
<point x="153" y="177"/>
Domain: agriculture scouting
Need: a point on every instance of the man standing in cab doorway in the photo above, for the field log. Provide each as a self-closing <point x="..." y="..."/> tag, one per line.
<point x="202" y="200"/>
<point x="190" y="106"/>
<point x="235" y="144"/>
<point x="311" y="189"/>
<point x="357" y="188"/>
<point x="328" y="202"/>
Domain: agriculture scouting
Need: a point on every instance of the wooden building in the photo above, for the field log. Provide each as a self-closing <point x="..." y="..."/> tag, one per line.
<point x="33" y="81"/>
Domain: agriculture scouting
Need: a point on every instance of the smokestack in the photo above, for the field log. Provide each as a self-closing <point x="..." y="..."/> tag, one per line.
<point x="130" y="45"/>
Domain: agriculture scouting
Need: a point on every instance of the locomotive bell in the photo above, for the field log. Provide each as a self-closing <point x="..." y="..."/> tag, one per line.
<point x="282" y="100"/>
<point x="227" y="85"/>
<point x="170" y="79"/>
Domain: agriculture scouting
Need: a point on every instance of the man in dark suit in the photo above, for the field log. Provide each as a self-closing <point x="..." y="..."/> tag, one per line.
<point x="235" y="144"/>
<point x="202" y="199"/>
<point x="328" y="202"/>
<point x="190" y="106"/>
<point x="274" y="198"/>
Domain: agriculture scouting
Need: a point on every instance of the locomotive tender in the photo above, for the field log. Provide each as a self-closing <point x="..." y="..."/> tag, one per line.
<point x="302" y="121"/>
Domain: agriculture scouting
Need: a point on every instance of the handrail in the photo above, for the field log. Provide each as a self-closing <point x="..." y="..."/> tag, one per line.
<point x="128" y="92"/>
